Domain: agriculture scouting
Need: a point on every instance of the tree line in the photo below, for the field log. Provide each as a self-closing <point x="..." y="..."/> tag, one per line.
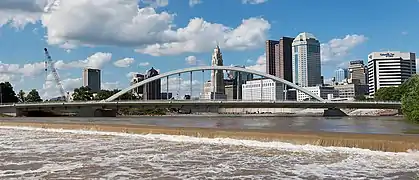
<point x="407" y="93"/>
<point x="85" y="94"/>
<point x="8" y="95"/>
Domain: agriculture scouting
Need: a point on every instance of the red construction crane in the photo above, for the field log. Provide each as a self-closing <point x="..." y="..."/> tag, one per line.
<point x="50" y="63"/>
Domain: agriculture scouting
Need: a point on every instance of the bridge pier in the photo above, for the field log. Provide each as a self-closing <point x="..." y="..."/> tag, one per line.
<point x="96" y="112"/>
<point x="334" y="112"/>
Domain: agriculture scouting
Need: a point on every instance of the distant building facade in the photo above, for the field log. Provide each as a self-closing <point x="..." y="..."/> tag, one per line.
<point x="341" y="75"/>
<point x="322" y="91"/>
<point x="136" y="78"/>
<point x="237" y="80"/>
<point x="358" y="72"/>
<point x="230" y="89"/>
<point x="263" y="89"/>
<point x="351" y="90"/>
<point x="389" y="69"/>
<point x="92" y="79"/>
<point x="152" y="90"/>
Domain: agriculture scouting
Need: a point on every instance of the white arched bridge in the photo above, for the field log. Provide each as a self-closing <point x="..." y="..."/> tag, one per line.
<point x="110" y="107"/>
<point x="203" y="68"/>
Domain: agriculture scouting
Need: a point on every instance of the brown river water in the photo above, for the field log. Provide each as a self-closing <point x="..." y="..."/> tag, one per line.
<point x="35" y="153"/>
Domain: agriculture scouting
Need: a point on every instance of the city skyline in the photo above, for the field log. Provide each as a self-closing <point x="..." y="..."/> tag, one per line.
<point x="26" y="31"/>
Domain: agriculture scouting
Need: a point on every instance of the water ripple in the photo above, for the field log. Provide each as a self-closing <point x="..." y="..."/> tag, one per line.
<point x="37" y="153"/>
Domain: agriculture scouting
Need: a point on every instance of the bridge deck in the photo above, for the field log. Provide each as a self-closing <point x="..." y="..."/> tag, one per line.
<point x="232" y="104"/>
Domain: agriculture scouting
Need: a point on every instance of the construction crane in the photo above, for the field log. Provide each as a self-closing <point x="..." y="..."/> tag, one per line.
<point x="50" y="63"/>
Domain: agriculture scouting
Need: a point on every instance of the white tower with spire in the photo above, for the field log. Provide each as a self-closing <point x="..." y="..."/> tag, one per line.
<point x="217" y="76"/>
<point x="216" y="90"/>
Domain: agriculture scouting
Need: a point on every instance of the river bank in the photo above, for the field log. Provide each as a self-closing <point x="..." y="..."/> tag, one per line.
<point x="378" y="142"/>
<point x="276" y="112"/>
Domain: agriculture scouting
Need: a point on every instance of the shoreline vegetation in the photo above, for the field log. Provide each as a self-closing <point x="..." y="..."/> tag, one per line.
<point x="377" y="142"/>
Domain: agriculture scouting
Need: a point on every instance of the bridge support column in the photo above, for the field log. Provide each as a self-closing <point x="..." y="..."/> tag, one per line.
<point x="19" y="112"/>
<point x="334" y="112"/>
<point x="96" y="112"/>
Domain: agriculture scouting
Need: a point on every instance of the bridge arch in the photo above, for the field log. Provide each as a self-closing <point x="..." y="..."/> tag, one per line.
<point x="201" y="68"/>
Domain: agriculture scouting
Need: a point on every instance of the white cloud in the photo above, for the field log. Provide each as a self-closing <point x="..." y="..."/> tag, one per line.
<point x="180" y="86"/>
<point x="51" y="90"/>
<point x="253" y="1"/>
<point x="192" y="3"/>
<point x="336" y="48"/>
<point x="328" y="81"/>
<point x="8" y="78"/>
<point x="97" y="60"/>
<point x="144" y="64"/>
<point x="126" y="62"/>
<point x="71" y="23"/>
<point x="156" y="3"/>
<point x="111" y="85"/>
<point x="12" y="72"/>
<point x="18" y="13"/>
<point x="106" y="22"/>
<point x="201" y="36"/>
<point x="192" y="60"/>
<point x="130" y="74"/>
<point x="260" y="64"/>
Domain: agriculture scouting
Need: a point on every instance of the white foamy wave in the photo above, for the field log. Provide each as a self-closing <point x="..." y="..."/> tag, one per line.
<point x="224" y="141"/>
<point x="38" y="153"/>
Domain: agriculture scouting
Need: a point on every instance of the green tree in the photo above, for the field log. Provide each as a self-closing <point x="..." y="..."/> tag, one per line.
<point x="7" y="94"/>
<point x="33" y="96"/>
<point x="127" y="96"/>
<point x="410" y="99"/>
<point x="388" y="94"/>
<point x="360" y="98"/>
<point x="21" y="96"/>
<point x="104" y="94"/>
<point x="82" y="94"/>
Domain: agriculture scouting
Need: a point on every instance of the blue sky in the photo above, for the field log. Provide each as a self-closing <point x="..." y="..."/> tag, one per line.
<point x="119" y="38"/>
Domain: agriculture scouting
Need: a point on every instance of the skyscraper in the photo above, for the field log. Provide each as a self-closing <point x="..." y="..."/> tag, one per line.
<point x="284" y="58"/>
<point x="91" y="79"/>
<point x="387" y="69"/>
<point x="341" y="74"/>
<point x="306" y="65"/>
<point x="270" y="57"/>
<point x="153" y="89"/>
<point x="279" y="58"/>
<point x="358" y="72"/>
